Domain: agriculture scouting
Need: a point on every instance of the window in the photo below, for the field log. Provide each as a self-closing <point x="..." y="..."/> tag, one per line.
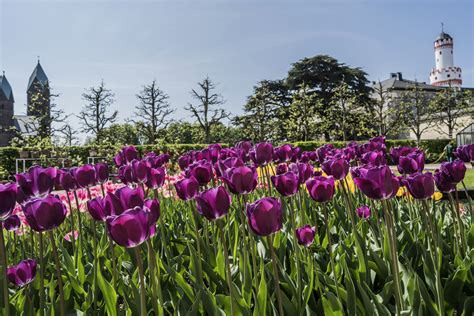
<point x="449" y="76"/>
<point x="436" y="78"/>
<point x="451" y="51"/>
<point x="440" y="52"/>
<point x="459" y="75"/>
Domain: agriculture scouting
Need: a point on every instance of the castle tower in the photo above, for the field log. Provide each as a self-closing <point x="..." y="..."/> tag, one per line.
<point x="38" y="99"/>
<point x="6" y="111"/>
<point x="445" y="73"/>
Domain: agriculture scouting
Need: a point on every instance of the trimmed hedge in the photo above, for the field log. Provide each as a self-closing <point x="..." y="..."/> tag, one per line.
<point x="77" y="155"/>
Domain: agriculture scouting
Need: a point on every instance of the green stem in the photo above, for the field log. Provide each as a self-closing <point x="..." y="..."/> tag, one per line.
<point x="3" y="257"/>
<point x="459" y="224"/>
<point x="155" y="285"/>
<point x="142" y="282"/>
<point x="41" y="271"/>
<point x="331" y="259"/>
<point x="198" y="246"/>
<point x="58" y="274"/>
<point x="73" y="240"/>
<point x="96" y="265"/>
<point x="275" y="274"/>
<point x="227" y="264"/>
<point x="469" y="200"/>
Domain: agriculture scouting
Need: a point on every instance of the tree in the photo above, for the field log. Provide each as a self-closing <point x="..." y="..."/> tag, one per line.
<point x="302" y="122"/>
<point x="45" y="118"/>
<point x="389" y="112"/>
<point x="153" y="111"/>
<point x="94" y="114"/>
<point x="68" y="135"/>
<point x="418" y="116"/>
<point x="123" y="134"/>
<point x="263" y="111"/>
<point x="322" y="75"/>
<point x="450" y="105"/>
<point x="207" y="111"/>
<point x="349" y="118"/>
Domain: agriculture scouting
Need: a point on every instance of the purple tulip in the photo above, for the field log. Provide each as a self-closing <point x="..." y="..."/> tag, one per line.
<point x="283" y="153"/>
<point x="12" y="223"/>
<point x="420" y="186"/>
<point x="213" y="203"/>
<point x="201" y="171"/>
<point x="132" y="227"/>
<point x="305" y="235"/>
<point x="303" y="170"/>
<point x="443" y="182"/>
<point x="84" y="175"/>
<point x="125" y="174"/>
<point x="286" y="184"/>
<point x="153" y="206"/>
<point x="126" y="155"/>
<point x="363" y="211"/>
<point x="374" y="144"/>
<point x="281" y="168"/>
<point x="376" y="182"/>
<point x="187" y="188"/>
<point x="323" y="151"/>
<point x="66" y="180"/>
<point x="338" y="168"/>
<point x="112" y="204"/>
<point x="231" y="162"/>
<point x="44" y="214"/>
<point x="454" y="171"/>
<point x="374" y="158"/>
<point x="465" y="153"/>
<point x="140" y="170"/>
<point x="130" y="198"/>
<point x="23" y="273"/>
<point x="321" y="189"/>
<point x="156" y="178"/>
<point x="97" y="209"/>
<point x="262" y="153"/>
<point x="397" y="152"/>
<point x="101" y="172"/>
<point x="245" y="145"/>
<point x="8" y="196"/>
<point x="241" y="180"/>
<point x="265" y="216"/>
<point x="184" y="161"/>
<point x="37" y="181"/>
<point x="412" y="162"/>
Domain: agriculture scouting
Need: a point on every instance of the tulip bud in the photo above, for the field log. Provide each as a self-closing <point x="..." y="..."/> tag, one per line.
<point x="377" y="183"/>
<point x="187" y="188"/>
<point x="337" y="167"/>
<point x="241" y="180"/>
<point x="101" y="172"/>
<point x="321" y="189"/>
<point x="12" y="223"/>
<point x="265" y="216"/>
<point x="420" y="186"/>
<point x="213" y="203"/>
<point x="363" y="211"/>
<point x="286" y="184"/>
<point x="84" y="175"/>
<point x="23" y="273"/>
<point x="305" y="235"/>
<point x="262" y="153"/>
<point x="8" y="196"/>
<point x="43" y="214"/>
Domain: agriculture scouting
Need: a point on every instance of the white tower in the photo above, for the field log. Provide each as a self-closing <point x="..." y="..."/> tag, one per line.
<point x="445" y="73"/>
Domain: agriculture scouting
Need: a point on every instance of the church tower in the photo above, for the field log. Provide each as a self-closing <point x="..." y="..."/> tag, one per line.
<point x="445" y="73"/>
<point x="38" y="100"/>
<point x="6" y="111"/>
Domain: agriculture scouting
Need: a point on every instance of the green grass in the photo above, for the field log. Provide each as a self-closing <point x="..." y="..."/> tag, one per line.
<point x="468" y="179"/>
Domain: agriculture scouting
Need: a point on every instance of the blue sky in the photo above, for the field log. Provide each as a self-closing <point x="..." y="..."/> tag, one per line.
<point x="236" y="43"/>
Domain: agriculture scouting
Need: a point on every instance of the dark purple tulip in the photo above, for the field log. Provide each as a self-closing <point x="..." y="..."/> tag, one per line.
<point x="231" y="162"/>
<point x="262" y="153"/>
<point x="125" y="174"/>
<point x="112" y="205"/>
<point x="281" y="168"/>
<point x="201" y="171"/>
<point x="411" y="163"/>
<point x="374" y="158"/>
<point x="376" y="182"/>
<point x="303" y="170"/>
<point x="156" y="178"/>
<point x="321" y="189"/>
<point x="245" y="145"/>
<point x="397" y="152"/>
<point x="101" y="172"/>
<point x="156" y="161"/>
<point x="338" y="168"/>
<point x="12" y="223"/>
<point x="375" y="144"/>
<point x="323" y="151"/>
<point x="443" y="182"/>
<point x="213" y="203"/>
<point x="214" y="152"/>
<point x="97" y="209"/>
<point x="37" y="181"/>
<point x="84" y="175"/>
<point x="297" y="153"/>
<point x="363" y="211"/>
<point x="44" y="214"/>
<point x="66" y="180"/>
<point x="305" y="235"/>
<point x="130" y="198"/>
<point x="420" y="186"/>
<point x="8" y="196"/>
<point x="132" y="227"/>
<point x="153" y="206"/>
<point x="184" y="161"/>
<point x="130" y="153"/>
<point x="140" y="170"/>
<point x="23" y="273"/>
<point x="455" y="171"/>
<point x="465" y="153"/>
<point x="265" y="216"/>
<point x="187" y="188"/>
<point x="286" y="184"/>
<point x="283" y="153"/>
<point x="241" y="180"/>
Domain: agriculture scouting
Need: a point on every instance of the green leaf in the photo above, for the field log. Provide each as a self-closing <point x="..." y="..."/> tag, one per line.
<point x="331" y="305"/>
<point x="109" y="294"/>
<point x="261" y="294"/>
<point x="454" y="288"/>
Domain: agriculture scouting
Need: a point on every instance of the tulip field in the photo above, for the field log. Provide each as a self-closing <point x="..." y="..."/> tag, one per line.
<point x="254" y="229"/>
